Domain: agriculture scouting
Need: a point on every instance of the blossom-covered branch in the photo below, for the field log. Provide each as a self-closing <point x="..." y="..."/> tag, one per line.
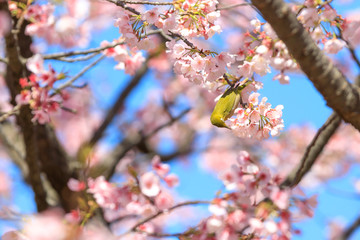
<point x="329" y="81"/>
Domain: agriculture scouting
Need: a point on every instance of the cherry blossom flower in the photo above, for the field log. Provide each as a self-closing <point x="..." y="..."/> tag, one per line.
<point x="105" y="194"/>
<point x="73" y="217"/>
<point x="280" y="198"/>
<point x="172" y="180"/>
<point x="309" y="17"/>
<point x="151" y="16"/>
<point x="75" y="185"/>
<point x="164" y="200"/>
<point x="161" y="169"/>
<point x="150" y="184"/>
<point x="283" y="79"/>
<point x="334" y="45"/>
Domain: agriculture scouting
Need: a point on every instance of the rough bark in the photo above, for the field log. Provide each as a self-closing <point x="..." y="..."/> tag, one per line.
<point x="43" y="153"/>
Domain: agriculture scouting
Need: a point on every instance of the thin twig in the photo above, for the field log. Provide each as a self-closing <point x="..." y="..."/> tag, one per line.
<point x="119" y="154"/>
<point x="233" y="6"/>
<point x="4" y="60"/>
<point x="82" y="72"/>
<point x="122" y="4"/>
<point x="78" y="59"/>
<point x="60" y="56"/>
<point x="147" y="2"/>
<point x="83" y="52"/>
<point x="190" y="44"/>
<point x="162" y="235"/>
<point x="119" y="103"/>
<point x="132" y="229"/>
<point x="13" y="111"/>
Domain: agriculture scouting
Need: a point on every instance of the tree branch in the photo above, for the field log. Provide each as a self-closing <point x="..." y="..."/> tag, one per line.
<point x="339" y="94"/>
<point x="122" y="4"/>
<point x="132" y="229"/>
<point x="13" y="111"/>
<point x="78" y="59"/>
<point x="83" y="52"/>
<point x="119" y="103"/>
<point x="15" y="50"/>
<point x="315" y="148"/>
<point x="109" y="165"/>
<point x="350" y="230"/>
<point x="313" y="151"/>
<point x="77" y="76"/>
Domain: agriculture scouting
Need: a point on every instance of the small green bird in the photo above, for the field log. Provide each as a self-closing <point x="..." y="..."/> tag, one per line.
<point x="226" y="105"/>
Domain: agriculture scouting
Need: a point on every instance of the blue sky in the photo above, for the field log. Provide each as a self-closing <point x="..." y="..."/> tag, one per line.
<point x="302" y="105"/>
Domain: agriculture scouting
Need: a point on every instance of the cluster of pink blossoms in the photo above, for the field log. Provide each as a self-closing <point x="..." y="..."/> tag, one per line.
<point x="199" y="69"/>
<point x="257" y="120"/>
<point x="65" y="30"/>
<point x="128" y="62"/>
<point x="254" y="206"/>
<point x="256" y="52"/>
<point x="194" y="18"/>
<point x="36" y="90"/>
<point x="315" y="17"/>
<point x="141" y="196"/>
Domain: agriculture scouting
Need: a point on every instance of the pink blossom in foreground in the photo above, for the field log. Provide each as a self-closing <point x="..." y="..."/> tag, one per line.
<point x="54" y="230"/>
<point x="75" y="185"/>
<point x="150" y="184"/>
<point x="161" y="169"/>
<point x="309" y="17"/>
